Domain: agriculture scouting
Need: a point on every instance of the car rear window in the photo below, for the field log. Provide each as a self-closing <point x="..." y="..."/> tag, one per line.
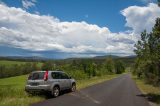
<point x="36" y="76"/>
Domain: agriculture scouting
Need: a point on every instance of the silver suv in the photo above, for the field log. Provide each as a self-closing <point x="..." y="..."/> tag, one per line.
<point x="52" y="81"/>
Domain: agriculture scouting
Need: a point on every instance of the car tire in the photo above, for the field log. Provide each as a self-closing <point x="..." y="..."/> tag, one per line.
<point x="73" y="88"/>
<point x="55" y="91"/>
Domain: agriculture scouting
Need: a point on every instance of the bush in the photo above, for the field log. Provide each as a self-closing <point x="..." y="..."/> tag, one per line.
<point x="78" y="74"/>
<point x="119" y="67"/>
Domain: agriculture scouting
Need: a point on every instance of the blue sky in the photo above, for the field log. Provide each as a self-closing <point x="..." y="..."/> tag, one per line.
<point x="102" y="13"/>
<point x="73" y="28"/>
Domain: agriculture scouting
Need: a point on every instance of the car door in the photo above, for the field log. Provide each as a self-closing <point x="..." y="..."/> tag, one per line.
<point x="57" y="77"/>
<point x="66" y="80"/>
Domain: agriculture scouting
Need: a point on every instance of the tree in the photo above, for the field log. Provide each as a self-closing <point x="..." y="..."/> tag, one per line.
<point x="48" y="65"/>
<point x="2" y="69"/>
<point x="148" y="54"/>
<point x="109" y="65"/>
<point x="94" y="66"/>
<point x="119" y="67"/>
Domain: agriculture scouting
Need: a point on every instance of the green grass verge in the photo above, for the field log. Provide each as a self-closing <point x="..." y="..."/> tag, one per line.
<point x="151" y="92"/>
<point x="12" y="89"/>
<point x="89" y="82"/>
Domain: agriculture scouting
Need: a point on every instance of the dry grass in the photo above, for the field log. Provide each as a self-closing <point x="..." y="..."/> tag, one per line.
<point x="151" y="92"/>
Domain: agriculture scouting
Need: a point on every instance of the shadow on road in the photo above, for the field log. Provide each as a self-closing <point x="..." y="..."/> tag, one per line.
<point x="47" y="95"/>
<point x="155" y="98"/>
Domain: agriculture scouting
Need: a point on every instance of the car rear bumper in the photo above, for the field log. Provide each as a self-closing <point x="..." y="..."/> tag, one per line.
<point x="38" y="88"/>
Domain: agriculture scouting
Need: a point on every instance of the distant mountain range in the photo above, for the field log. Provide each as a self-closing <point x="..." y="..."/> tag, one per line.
<point x="43" y="58"/>
<point x="104" y="57"/>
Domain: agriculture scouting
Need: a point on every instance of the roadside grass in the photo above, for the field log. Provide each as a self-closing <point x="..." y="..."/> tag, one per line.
<point x="12" y="90"/>
<point x="151" y="92"/>
<point x="95" y="80"/>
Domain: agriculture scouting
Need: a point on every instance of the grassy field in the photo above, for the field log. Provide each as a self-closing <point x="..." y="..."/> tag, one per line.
<point x="150" y="92"/>
<point x="12" y="90"/>
<point x="9" y="63"/>
<point x="6" y="62"/>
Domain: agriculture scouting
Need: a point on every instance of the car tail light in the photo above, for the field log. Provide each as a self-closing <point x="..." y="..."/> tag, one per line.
<point x="45" y="76"/>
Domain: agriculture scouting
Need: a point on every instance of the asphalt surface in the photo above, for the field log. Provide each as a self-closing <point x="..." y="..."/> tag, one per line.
<point x="120" y="91"/>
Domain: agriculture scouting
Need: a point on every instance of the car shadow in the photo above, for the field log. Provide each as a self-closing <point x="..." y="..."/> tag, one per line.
<point x="47" y="95"/>
<point x="155" y="98"/>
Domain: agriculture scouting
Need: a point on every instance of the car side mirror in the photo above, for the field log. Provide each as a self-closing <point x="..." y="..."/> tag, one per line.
<point x="70" y="77"/>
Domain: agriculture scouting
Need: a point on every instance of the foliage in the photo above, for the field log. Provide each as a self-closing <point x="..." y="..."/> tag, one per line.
<point x="48" y="65"/>
<point x="77" y="68"/>
<point x="17" y="69"/>
<point x="109" y="65"/>
<point x="119" y="67"/>
<point x="148" y="55"/>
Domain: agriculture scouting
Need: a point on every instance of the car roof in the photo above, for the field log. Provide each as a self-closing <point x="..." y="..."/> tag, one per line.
<point x="48" y="71"/>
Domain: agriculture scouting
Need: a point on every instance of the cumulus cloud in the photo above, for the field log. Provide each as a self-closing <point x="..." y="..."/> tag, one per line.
<point x="28" y="3"/>
<point x="141" y="18"/>
<point x="34" y="32"/>
<point x="40" y="33"/>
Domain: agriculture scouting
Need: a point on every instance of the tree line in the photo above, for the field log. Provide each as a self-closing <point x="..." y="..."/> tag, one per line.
<point x="77" y="68"/>
<point x="17" y="69"/>
<point x="147" y="65"/>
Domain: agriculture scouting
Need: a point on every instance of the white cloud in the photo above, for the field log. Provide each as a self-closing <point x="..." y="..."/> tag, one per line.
<point x="141" y="18"/>
<point x="28" y="3"/>
<point x="21" y="29"/>
<point x="36" y="32"/>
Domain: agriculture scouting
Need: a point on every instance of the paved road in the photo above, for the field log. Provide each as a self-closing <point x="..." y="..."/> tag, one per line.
<point x="121" y="91"/>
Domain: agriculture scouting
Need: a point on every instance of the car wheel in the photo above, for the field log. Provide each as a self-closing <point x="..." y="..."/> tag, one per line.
<point x="73" y="89"/>
<point x="55" y="91"/>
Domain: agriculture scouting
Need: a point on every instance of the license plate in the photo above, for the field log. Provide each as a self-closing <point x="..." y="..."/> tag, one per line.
<point x="34" y="84"/>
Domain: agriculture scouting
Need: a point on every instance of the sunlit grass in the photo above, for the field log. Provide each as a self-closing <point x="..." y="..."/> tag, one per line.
<point x="151" y="91"/>
<point x="12" y="92"/>
<point x="10" y="63"/>
<point x="89" y="82"/>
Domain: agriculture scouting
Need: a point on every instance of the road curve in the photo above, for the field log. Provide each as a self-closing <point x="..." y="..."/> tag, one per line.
<point x="120" y="91"/>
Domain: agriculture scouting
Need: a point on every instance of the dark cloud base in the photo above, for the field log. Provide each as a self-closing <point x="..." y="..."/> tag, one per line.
<point x="11" y="51"/>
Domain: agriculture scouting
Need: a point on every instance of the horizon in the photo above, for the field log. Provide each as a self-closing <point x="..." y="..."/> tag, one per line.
<point x="62" y="58"/>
